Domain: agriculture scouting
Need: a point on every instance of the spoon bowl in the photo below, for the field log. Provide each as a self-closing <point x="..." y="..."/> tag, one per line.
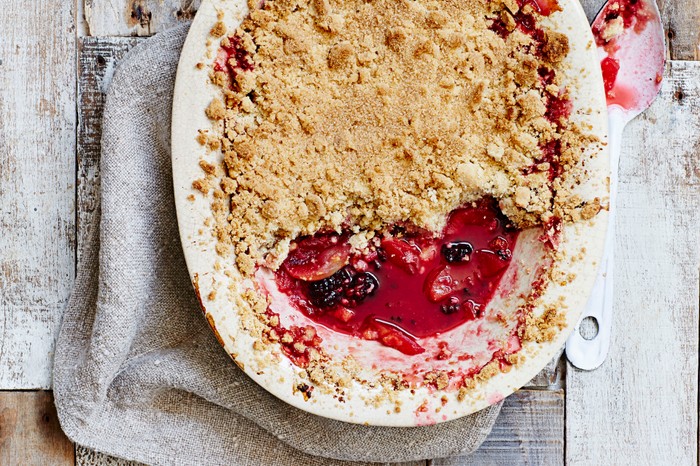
<point x="630" y="39"/>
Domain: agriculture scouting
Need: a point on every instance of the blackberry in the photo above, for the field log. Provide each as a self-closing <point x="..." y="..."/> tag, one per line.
<point x="328" y="292"/>
<point x="346" y="286"/>
<point x="457" y="251"/>
<point x="325" y="300"/>
<point x="344" y="275"/>
<point x="363" y="285"/>
<point x="323" y="286"/>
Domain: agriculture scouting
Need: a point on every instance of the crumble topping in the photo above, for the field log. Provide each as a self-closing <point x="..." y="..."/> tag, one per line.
<point x="366" y="114"/>
<point x="358" y="115"/>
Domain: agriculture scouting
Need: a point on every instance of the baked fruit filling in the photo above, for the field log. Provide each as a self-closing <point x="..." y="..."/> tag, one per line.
<point x="404" y="284"/>
<point x="380" y="160"/>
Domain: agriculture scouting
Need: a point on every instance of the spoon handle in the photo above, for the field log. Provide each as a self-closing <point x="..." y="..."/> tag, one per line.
<point x="589" y="354"/>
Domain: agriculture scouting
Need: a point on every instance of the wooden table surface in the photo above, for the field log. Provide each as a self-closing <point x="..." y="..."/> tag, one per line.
<point x="641" y="407"/>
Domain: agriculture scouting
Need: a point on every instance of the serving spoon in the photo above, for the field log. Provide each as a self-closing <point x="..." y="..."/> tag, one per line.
<point x="631" y="48"/>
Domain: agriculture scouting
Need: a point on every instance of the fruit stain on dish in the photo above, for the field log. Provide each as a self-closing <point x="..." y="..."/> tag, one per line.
<point x="619" y="17"/>
<point x="406" y="285"/>
<point x="558" y="106"/>
<point x="232" y="58"/>
<point x="524" y="20"/>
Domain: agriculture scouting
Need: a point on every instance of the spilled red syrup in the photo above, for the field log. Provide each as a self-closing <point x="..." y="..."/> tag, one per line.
<point x="551" y="238"/>
<point x="558" y="108"/>
<point x="551" y="153"/>
<point x="409" y="285"/>
<point x="526" y="23"/>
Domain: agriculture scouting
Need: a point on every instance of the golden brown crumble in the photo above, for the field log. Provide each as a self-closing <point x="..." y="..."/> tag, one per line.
<point x="363" y="114"/>
<point x="439" y="379"/>
<point x="218" y="30"/>
<point x="545" y="327"/>
<point x="372" y="113"/>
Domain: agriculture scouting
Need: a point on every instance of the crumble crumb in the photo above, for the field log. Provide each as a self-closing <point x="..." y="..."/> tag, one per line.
<point x="218" y="30"/>
<point x="545" y="327"/>
<point x="612" y="29"/>
<point x="216" y="110"/>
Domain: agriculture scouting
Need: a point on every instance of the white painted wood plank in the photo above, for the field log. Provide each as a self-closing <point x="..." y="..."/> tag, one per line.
<point x="682" y="24"/>
<point x="529" y="431"/>
<point x="641" y="406"/>
<point x="37" y="185"/>
<point x="136" y="17"/>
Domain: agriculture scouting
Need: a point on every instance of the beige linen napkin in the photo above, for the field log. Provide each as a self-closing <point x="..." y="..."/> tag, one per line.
<point x="137" y="372"/>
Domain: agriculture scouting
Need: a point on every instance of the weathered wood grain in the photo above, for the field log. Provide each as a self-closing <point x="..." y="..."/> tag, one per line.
<point x="136" y="17"/>
<point x="682" y="25"/>
<point x="37" y="185"/>
<point x="641" y="406"/>
<point x="529" y="431"/>
<point x="29" y="431"/>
